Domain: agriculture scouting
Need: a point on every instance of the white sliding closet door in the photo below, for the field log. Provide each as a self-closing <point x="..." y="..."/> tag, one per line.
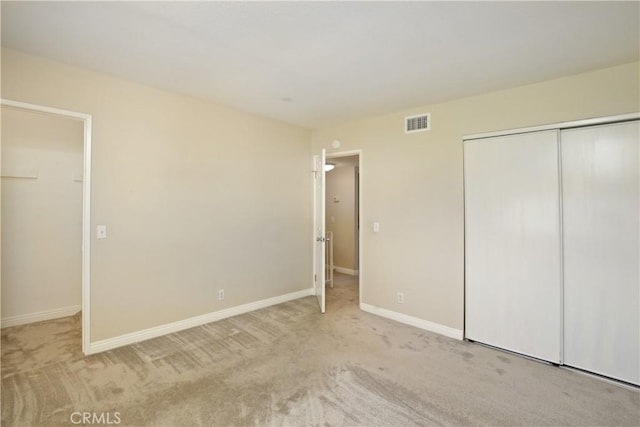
<point x="600" y="182"/>
<point x="512" y="243"/>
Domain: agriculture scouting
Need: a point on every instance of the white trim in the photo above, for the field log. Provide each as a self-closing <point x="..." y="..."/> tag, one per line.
<point x="447" y="331"/>
<point x="561" y="125"/>
<point x="86" y="206"/>
<point x="24" y="319"/>
<point x="465" y="227"/>
<point x="43" y="109"/>
<point x="345" y="270"/>
<point x="86" y="238"/>
<point x="169" y="328"/>
<point x="360" y="271"/>
<point x="560" y="246"/>
<point x="344" y="154"/>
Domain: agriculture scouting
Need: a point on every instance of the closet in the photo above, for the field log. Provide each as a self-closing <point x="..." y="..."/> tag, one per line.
<point x="552" y="242"/>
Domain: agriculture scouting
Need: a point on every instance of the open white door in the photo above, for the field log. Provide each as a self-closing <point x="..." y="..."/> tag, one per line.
<point x="319" y="229"/>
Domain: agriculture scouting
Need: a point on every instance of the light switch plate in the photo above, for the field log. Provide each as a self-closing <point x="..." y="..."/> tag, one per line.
<point x="101" y="232"/>
<point x="376" y="227"/>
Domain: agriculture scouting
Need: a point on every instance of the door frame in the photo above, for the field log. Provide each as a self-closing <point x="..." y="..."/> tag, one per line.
<point x="360" y="193"/>
<point x="86" y="204"/>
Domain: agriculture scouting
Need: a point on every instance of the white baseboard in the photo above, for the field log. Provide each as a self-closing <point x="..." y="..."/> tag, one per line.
<point x="23" y="319"/>
<point x="133" y="337"/>
<point x="345" y="270"/>
<point x="413" y="321"/>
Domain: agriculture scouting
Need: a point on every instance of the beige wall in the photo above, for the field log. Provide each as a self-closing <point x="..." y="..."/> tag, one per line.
<point x="412" y="183"/>
<point x="41" y="217"/>
<point x="196" y="197"/>
<point x="341" y="215"/>
<point x="192" y="192"/>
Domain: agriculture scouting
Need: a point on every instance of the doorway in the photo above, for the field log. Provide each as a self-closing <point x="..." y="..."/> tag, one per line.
<point x="342" y="213"/>
<point x="46" y="181"/>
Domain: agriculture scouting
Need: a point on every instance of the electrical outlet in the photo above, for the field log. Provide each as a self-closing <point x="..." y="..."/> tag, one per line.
<point x="400" y="298"/>
<point x="221" y="294"/>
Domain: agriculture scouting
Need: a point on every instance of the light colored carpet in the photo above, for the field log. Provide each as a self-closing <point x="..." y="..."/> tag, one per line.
<point x="290" y="365"/>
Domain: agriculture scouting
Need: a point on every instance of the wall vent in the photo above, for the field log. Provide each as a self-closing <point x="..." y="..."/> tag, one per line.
<point x="417" y="123"/>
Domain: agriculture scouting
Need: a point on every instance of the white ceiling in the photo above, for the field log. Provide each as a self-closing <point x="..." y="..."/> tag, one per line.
<point x="316" y="63"/>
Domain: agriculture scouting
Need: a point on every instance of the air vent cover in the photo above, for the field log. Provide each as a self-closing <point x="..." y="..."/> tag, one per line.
<point x="417" y="123"/>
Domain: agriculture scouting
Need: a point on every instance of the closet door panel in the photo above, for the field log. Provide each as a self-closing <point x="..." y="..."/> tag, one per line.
<point x="600" y="183"/>
<point x="512" y="243"/>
